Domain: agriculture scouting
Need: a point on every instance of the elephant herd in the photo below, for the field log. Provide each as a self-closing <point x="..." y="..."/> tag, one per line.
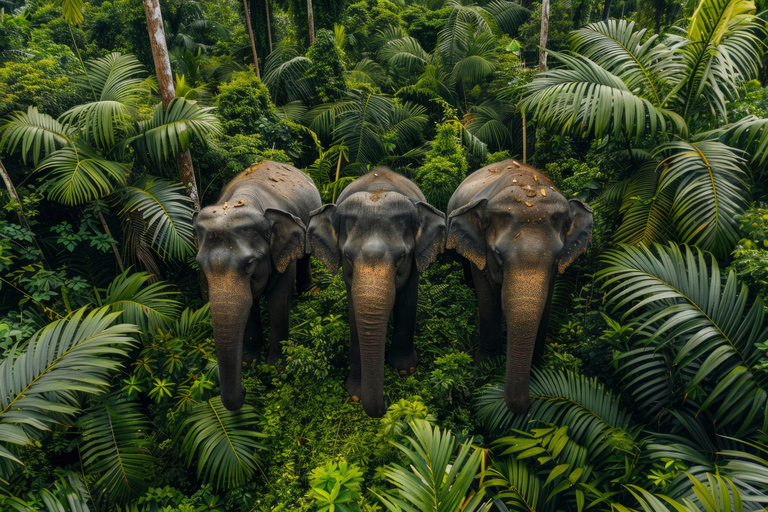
<point x="513" y="228"/>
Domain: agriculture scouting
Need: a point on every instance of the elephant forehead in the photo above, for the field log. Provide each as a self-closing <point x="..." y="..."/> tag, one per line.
<point x="379" y="204"/>
<point x="522" y="199"/>
<point x="216" y="219"/>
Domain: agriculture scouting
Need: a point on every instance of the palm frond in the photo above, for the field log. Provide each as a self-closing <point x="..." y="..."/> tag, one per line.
<point x="749" y="134"/>
<point x="167" y="213"/>
<point x="170" y="132"/>
<point x="678" y="303"/>
<point x="36" y="132"/>
<point x="223" y="442"/>
<point x="112" y="447"/>
<point x="39" y="383"/>
<point x="712" y="186"/>
<point x="508" y="15"/>
<point x="640" y="61"/>
<point x="283" y="75"/>
<point x="142" y="302"/>
<point x="78" y="174"/>
<point x="586" y="99"/>
<point x="565" y="399"/>
<point x="119" y="91"/>
<point x="72" y="10"/>
<point x="433" y="483"/>
<point x="405" y="52"/>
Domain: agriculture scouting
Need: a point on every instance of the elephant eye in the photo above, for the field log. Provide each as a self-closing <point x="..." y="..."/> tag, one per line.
<point x="250" y="266"/>
<point x="400" y="260"/>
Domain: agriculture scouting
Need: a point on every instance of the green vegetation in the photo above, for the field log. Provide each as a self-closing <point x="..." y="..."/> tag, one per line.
<point x="652" y="393"/>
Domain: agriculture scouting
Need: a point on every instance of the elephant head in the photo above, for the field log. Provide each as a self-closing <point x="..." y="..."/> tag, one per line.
<point x="379" y="239"/>
<point x="522" y="236"/>
<point x="239" y="250"/>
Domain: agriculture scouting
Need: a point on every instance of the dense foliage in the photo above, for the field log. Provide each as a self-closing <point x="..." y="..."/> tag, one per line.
<point x="652" y="392"/>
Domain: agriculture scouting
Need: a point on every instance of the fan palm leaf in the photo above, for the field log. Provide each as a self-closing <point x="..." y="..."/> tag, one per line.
<point x="283" y="75"/>
<point x="724" y="50"/>
<point x="170" y="131"/>
<point x="36" y="132"/>
<point x="587" y="99"/>
<point x="167" y="213"/>
<point x="433" y="484"/>
<point x="478" y="61"/>
<point x="646" y="208"/>
<point x="507" y="15"/>
<point x="119" y="90"/>
<point x="142" y="302"/>
<point x="78" y="174"/>
<point x="710" y="331"/>
<point x="640" y="61"/>
<point x="597" y="420"/>
<point x="40" y="385"/>
<point x="712" y="186"/>
<point x="223" y="442"/>
<point x="112" y="447"/>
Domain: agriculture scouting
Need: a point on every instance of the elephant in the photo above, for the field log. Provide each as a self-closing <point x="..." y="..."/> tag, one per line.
<point x="516" y="232"/>
<point x="382" y="232"/>
<point x="251" y="243"/>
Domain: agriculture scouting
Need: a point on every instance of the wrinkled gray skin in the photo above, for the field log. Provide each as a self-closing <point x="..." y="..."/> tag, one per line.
<point x="252" y="250"/>
<point x="383" y="233"/>
<point x="517" y="232"/>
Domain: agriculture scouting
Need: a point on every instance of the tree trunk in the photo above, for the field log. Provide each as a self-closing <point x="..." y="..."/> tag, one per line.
<point x="544" y="35"/>
<point x="311" y="18"/>
<point x="269" y="26"/>
<point x="250" y="35"/>
<point x="15" y="196"/>
<point x="607" y="10"/>
<point x="167" y="89"/>
<point x="109" y="234"/>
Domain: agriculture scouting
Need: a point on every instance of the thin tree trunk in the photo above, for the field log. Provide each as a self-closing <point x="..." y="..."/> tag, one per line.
<point x="250" y="35"/>
<point x="114" y="247"/>
<point x="167" y="89"/>
<point x="269" y="26"/>
<point x="607" y="10"/>
<point x="311" y="18"/>
<point x="525" y="140"/>
<point x="544" y="35"/>
<point x="15" y="196"/>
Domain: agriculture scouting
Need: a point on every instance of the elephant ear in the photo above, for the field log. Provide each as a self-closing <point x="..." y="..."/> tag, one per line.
<point x="323" y="237"/>
<point x="579" y="235"/>
<point x="430" y="237"/>
<point x="466" y="233"/>
<point x="286" y="239"/>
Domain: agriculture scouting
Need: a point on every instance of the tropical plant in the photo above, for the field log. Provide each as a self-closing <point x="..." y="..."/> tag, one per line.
<point x="41" y="382"/>
<point x="620" y="82"/>
<point x="694" y="336"/>
<point x="112" y="449"/>
<point x="222" y="441"/>
<point x="83" y="152"/>
<point x="433" y="483"/>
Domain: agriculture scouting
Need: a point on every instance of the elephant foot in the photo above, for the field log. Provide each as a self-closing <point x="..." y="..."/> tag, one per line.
<point x="354" y="389"/>
<point x="248" y="357"/>
<point x="274" y="358"/>
<point x="405" y="365"/>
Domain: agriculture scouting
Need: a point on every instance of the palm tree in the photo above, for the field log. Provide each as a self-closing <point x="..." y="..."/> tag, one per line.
<point x="642" y="91"/>
<point x="83" y="151"/>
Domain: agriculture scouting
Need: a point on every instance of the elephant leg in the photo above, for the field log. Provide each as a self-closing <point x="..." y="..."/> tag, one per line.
<point x="490" y="317"/>
<point x="541" y="335"/>
<point x="354" y="386"/>
<point x="254" y="334"/>
<point x="303" y="275"/>
<point x="279" y="303"/>
<point x="402" y="356"/>
<point x="466" y="269"/>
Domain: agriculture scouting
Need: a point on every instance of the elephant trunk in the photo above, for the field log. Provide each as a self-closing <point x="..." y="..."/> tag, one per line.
<point x="373" y="295"/>
<point x="231" y="302"/>
<point x="524" y="298"/>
